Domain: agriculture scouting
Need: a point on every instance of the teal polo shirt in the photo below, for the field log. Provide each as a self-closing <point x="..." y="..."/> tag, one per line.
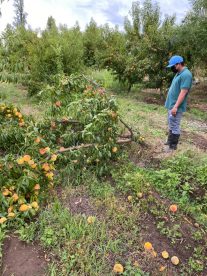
<point x="182" y="80"/>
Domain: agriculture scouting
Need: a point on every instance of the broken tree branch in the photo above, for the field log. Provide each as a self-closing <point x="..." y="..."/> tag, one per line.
<point x="129" y="128"/>
<point x="63" y="150"/>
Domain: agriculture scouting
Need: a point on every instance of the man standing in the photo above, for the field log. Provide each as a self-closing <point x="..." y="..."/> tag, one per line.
<point x="176" y="101"/>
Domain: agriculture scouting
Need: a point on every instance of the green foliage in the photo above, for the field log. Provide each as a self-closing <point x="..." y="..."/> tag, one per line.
<point x="138" y="55"/>
<point x="192" y="33"/>
<point x="30" y="148"/>
<point x="184" y="179"/>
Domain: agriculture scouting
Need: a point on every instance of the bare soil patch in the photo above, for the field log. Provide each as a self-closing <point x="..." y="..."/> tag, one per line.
<point x="22" y="259"/>
<point x="196" y="139"/>
<point x="77" y="201"/>
<point x="80" y="205"/>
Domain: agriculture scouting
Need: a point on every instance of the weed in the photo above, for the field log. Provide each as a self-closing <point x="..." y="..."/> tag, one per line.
<point x="27" y="232"/>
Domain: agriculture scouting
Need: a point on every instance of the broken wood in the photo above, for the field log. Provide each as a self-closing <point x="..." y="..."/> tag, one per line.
<point x="63" y="150"/>
<point x="129" y="128"/>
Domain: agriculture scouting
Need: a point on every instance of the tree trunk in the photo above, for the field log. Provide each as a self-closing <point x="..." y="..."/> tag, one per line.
<point x="129" y="88"/>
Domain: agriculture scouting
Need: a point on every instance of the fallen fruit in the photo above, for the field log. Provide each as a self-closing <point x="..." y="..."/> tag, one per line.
<point x="148" y="246"/>
<point x="53" y="157"/>
<point x="175" y="260"/>
<point x="35" y="205"/>
<point x="114" y="149"/>
<point x="24" y="208"/>
<point x="11" y="215"/>
<point x="27" y="158"/>
<point x="15" y="197"/>
<point x="58" y="103"/>
<point x="10" y="209"/>
<point x="165" y="254"/>
<point x="37" y="187"/>
<point x="118" y="268"/>
<point x="139" y="195"/>
<point x="2" y="220"/>
<point x="42" y="151"/>
<point x="173" y="208"/>
<point x="6" y="192"/>
<point x="129" y="198"/>
<point x="91" y="219"/>
<point x="20" y="161"/>
<point x="162" y="268"/>
<point x="37" y="140"/>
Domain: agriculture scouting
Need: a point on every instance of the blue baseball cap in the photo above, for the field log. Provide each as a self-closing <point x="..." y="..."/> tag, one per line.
<point x="174" y="60"/>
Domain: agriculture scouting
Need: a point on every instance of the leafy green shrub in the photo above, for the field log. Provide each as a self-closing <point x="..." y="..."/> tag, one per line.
<point x="184" y="179"/>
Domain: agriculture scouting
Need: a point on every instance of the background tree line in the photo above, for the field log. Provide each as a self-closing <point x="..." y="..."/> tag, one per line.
<point x="138" y="54"/>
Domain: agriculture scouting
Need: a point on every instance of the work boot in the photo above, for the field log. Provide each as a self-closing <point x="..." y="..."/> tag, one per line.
<point x="168" y="138"/>
<point x="174" y="141"/>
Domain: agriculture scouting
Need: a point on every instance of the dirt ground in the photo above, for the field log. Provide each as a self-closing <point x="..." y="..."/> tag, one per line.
<point x="22" y="259"/>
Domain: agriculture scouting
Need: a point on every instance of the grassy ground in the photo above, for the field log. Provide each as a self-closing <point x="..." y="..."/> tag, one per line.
<point x="90" y="224"/>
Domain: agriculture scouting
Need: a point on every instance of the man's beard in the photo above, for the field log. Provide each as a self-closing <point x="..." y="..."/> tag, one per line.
<point x="174" y="69"/>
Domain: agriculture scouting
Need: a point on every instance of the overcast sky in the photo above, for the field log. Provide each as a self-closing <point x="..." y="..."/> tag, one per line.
<point x="70" y="11"/>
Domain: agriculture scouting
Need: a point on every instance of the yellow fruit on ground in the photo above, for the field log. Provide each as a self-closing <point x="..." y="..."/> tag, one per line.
<point x="15" y="197"/>
<point x="173" y="208"/>
<point x="34" y="166"/>
<point x="140" y="195"/>
<point x="53" y="157"/>
<point x="24" y="208"/>
<point x="35" y="205"/>
<point x="42" y="151"/>
<point x="10" y="209"/>
<point x="11" y="215"/>
<point x="114" y="149"/>
<point x="37" y="140"/>
<point x="162" y="268"/>
<point x="148" y="246"/>
<point x="2" y="220"/>
<point x="175" y="260"/>
<point x="91" y="219"/>
<point x="37" y="187"/>
<point x="46" y="167"/>
<point x="165" y="254"/>
<point x="58" y="103"/>
<point x="6" y="192"/>
<point x="27" y="158"/>
<point x="50" y="175"/>
<point x="20" y="161"/>
<point x="118" y="268"/>
<point x="129" y="198"/>
<point x="31" y="162"/>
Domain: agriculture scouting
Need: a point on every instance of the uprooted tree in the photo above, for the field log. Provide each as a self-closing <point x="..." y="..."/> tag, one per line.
<point x="80" y="131"/>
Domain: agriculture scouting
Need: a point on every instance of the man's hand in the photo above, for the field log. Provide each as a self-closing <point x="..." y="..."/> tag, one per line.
<point x="174" y="111"/>
<point x="180" y="99"/>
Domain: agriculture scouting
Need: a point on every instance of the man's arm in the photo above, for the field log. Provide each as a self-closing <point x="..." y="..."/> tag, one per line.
<point x="180" y="99"/>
